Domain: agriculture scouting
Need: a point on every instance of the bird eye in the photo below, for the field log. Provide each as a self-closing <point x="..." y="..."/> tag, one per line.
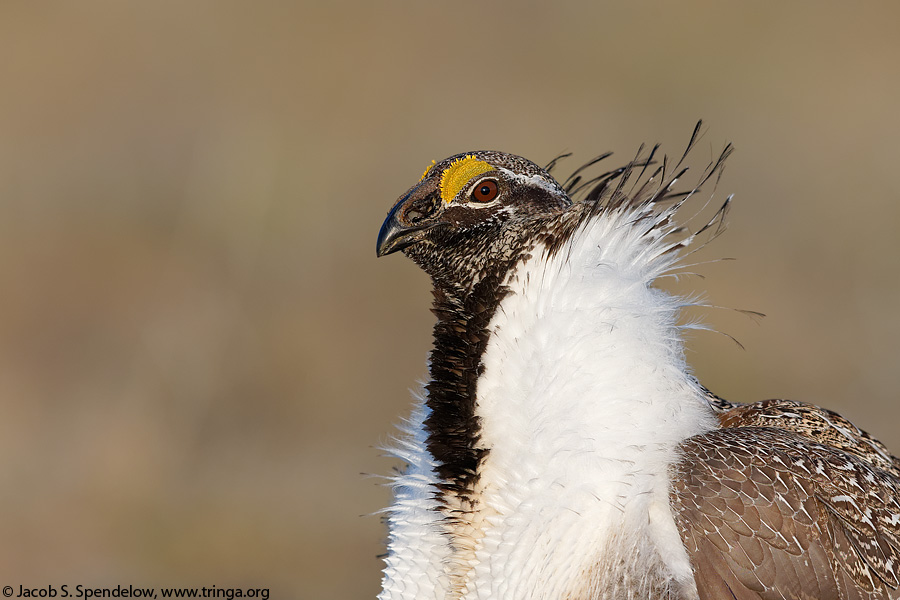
<point x="485" y="191"/>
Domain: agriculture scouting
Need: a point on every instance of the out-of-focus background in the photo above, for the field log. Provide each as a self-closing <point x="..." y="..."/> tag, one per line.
<point x="199" y="351"/>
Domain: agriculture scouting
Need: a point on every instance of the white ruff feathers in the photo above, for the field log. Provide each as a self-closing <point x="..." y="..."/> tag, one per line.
<point x="417" y="547"/>
<point x="583" y="401"/>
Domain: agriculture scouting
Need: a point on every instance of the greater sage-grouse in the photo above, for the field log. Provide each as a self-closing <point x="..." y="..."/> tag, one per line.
<point x="562" y="449"/>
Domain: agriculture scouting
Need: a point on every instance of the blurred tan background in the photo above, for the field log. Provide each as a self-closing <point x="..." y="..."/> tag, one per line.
<point x="199" y="352"/>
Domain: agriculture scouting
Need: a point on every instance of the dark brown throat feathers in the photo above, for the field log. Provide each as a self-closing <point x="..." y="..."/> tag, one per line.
<point x="460" y="338"/>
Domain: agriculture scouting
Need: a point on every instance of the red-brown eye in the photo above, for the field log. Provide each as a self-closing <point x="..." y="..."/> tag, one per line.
<point x="485" y="191"/>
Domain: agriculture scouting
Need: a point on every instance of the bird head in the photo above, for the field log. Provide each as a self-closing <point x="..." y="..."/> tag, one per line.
<point x="469" y="213"/>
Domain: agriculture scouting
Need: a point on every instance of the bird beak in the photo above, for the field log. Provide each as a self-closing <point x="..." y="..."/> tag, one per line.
<point x="395" y="234"/>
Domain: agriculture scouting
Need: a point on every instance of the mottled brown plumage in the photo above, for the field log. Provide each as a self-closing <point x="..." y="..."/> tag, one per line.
<point x="788" y="500"/>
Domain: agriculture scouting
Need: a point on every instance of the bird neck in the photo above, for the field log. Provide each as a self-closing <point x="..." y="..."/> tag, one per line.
<point x="571" y="332"/>
<point x="461" y="335"/>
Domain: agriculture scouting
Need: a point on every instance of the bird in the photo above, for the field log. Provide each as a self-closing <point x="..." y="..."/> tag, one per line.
<point x="561" y="447"/>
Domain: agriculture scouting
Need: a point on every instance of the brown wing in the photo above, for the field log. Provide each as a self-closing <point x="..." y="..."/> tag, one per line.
<point x="767" y="514"/>
<point x="815" y="423"/>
